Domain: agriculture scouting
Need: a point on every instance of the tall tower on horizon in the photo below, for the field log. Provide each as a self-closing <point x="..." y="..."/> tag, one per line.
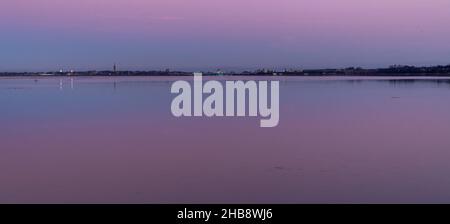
<point x="115" y="68"/>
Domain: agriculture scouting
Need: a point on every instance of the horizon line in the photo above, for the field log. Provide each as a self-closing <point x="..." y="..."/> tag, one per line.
<point x="224" y="69"/>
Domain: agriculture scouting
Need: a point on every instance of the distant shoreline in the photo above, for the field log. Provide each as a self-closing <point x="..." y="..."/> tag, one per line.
<point x="240" y="75"/>
<point x="396" y="70"/>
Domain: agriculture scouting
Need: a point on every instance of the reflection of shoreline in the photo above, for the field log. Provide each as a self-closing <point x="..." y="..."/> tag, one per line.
<point x="170" y="79"/>
<point x="430" y="75"/>
<point x="63" y="83"/>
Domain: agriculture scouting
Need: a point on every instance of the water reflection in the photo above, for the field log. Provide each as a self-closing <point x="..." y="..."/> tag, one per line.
<point x="113" y="139"/>
<point x="402" y="81"/>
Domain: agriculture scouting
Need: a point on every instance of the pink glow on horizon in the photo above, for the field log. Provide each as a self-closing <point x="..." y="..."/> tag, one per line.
<point x="286" y="28"/>
<point x="246" y="16"/>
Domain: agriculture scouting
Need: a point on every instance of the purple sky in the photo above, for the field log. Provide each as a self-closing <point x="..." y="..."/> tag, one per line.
<point x="209" y="34"/>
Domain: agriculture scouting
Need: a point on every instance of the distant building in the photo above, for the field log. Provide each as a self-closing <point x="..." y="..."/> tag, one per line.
<point x="220" y="72"/>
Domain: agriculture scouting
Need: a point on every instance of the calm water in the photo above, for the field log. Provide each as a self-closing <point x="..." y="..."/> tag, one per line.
<point x="114" y="140"/>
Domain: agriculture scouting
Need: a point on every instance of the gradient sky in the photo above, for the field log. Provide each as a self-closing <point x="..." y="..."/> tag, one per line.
<point x="233" y="34"/>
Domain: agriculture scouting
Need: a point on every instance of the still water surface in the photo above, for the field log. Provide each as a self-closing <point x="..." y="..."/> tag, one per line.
<point x="114" y="140"/>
